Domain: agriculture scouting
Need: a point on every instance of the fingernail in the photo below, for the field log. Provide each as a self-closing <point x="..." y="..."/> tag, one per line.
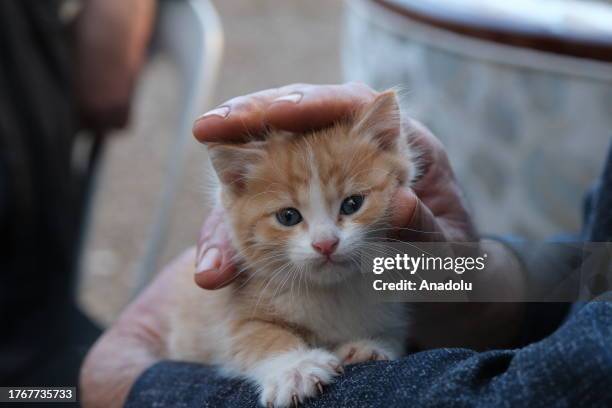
<point x="294" y="97"/>
<point x="211" y="259"/>
<point x="221" y="112"/>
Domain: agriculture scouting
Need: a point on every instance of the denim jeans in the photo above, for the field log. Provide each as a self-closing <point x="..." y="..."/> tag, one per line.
<point x="571" y="366"/>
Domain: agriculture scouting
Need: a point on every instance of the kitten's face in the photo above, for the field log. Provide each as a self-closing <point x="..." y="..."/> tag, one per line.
<point x="307" y="204"/>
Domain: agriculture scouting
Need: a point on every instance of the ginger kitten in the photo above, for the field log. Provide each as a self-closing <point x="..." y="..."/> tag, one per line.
<point x="301" y="208"/>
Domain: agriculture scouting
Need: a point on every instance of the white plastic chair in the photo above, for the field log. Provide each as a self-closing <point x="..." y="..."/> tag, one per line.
<point x="189" y="34"/>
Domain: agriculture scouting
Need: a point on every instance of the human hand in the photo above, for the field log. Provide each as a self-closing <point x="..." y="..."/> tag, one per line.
<point x="132" y="344"/>
<point x="433" y="210"/>
<point x="111" y="38"/>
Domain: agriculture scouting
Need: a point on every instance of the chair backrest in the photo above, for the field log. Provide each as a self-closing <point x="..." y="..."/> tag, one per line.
<point x="189" y="34"/>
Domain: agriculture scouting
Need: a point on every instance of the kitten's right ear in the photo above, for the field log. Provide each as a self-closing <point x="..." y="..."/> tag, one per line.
<point x="232" y="163"/>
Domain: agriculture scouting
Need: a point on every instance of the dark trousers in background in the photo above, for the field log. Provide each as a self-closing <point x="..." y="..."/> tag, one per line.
<point x="42" y="335"/>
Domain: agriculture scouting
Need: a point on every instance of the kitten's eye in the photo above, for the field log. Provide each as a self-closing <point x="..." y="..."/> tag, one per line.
<point x="351" y="204"/>
<point x="289" y="216"/>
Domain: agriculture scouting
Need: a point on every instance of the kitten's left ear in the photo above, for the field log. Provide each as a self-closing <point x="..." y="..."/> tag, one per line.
<point x="380" y="120"/>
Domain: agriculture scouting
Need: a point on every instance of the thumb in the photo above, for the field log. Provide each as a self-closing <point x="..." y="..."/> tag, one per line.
<point x="214" y="266"/>
<point x="413" y="221"/>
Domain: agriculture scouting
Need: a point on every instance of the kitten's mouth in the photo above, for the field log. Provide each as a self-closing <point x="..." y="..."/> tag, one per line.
<point x="329" y="260"/>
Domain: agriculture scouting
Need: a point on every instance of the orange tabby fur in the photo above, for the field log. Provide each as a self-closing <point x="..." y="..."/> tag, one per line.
<point x="292" y="318"/>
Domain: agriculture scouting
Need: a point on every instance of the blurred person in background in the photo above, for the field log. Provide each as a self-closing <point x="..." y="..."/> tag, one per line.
<point x="65" y="66"/>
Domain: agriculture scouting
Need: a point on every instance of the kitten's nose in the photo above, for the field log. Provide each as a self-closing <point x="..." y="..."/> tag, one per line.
<point x="326" y="247"/>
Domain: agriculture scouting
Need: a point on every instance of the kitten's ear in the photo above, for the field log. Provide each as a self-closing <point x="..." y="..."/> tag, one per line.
<point x="380" y="120"/>
<point x="232" y="163"/>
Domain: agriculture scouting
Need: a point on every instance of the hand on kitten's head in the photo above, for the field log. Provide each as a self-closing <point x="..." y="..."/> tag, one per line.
<point x="433" y="209"/>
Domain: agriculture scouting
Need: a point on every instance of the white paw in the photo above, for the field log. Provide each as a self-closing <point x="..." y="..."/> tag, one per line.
<point x="290" y="378"/>
<point x="364" y="350"/>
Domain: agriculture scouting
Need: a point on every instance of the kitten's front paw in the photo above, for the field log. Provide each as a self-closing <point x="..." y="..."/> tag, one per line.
<point x="364" y="350"/>
<point x="290" y="378"/>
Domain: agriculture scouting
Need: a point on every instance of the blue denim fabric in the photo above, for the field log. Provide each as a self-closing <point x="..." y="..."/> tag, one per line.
<point x="572" y="367"/>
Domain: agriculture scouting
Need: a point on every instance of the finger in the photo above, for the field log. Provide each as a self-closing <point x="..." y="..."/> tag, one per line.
<point x="214" y="265"/>
<point x="214" y="262"/>
<point x="296" y="107"/>
<point x="213" y="229"/>
<point x="315" y="107"/>
<point x="216" y="268"/>
<point x="412" y="220"/>
<point x="236" y="119"/>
